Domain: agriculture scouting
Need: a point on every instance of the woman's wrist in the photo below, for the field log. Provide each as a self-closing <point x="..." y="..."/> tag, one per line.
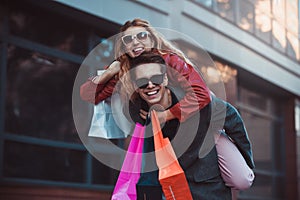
<point x="95" y="79"/>
<point x="169" y="115"/>
<point x="103" y="78"/>
<point x="112" y="71"/>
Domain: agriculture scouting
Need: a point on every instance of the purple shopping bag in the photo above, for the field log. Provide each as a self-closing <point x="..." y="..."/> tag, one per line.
<point x="125" y="188"/>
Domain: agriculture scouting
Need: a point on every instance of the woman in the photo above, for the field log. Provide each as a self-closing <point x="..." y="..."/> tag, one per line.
<point x="136" y="37"/>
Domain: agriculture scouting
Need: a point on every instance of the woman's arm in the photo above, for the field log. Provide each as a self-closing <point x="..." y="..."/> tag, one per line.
<point x="197" y="94"/>
<point x="98" y="88"/>
<point x="108" y="74"/>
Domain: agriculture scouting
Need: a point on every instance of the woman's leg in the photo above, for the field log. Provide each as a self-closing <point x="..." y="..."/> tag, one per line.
<point x="234" y="169"/>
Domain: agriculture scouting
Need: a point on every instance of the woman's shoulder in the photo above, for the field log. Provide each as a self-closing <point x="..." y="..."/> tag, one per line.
<point x="172" y="59"/>
<point x="168" y="54"/>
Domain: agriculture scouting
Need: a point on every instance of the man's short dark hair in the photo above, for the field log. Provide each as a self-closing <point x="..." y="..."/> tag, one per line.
<point x="146" y="58"/>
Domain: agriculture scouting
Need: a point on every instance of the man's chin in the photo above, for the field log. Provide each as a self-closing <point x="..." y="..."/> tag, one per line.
<point x="157" y="107"/>
<point x="152" y="102"/>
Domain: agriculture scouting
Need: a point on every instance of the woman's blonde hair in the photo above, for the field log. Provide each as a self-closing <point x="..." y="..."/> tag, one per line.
<point x="161" y="45"/>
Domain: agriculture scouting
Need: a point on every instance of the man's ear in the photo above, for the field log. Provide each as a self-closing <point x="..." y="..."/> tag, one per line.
<point x="166" y="80"/>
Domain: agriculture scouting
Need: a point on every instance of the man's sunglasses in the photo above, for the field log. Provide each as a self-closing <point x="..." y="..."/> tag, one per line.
<point x="142" y="83"/>
<point x="141" y="36"/>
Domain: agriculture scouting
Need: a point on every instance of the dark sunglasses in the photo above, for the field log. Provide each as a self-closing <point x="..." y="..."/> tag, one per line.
<point x="142" y="83"/>
<point x="141" y="36"/>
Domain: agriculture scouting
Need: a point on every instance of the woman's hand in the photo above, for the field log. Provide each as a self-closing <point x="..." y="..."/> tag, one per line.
<point x="162" y="116"/>
<point x="109" y="73"/>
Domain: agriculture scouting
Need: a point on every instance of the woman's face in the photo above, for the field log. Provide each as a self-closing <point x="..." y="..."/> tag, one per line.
<point x="136" y="41"/>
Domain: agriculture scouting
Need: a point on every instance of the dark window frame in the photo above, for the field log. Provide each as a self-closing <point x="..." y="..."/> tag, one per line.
<point x="7" y="39"/>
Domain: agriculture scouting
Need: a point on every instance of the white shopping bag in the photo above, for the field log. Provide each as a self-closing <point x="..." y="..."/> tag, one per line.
<point x="103" y="123"/>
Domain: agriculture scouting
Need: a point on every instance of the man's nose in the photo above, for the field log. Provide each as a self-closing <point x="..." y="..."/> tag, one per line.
<point x="150" y="84"/>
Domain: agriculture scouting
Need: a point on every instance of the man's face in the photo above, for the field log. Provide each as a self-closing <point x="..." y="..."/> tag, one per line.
<point x="150" y="83"/>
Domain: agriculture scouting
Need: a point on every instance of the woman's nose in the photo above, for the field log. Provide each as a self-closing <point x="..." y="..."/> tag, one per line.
<point x="135" y="40"/>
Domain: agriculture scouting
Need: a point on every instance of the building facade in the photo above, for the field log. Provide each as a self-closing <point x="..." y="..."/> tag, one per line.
<point x="255" y="48"/>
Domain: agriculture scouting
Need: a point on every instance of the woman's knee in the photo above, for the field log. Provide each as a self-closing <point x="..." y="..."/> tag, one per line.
<point x="242" y="182"/>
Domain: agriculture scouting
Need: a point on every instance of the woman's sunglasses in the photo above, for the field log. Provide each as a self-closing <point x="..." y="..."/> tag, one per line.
<point x="142" y="83"/>
<point x="141" y="36"/>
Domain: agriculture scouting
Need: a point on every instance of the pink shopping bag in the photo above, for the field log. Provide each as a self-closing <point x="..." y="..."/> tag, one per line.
<point x="125" y="188"/>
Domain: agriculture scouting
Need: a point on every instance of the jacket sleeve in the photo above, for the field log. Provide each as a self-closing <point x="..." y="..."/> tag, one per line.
<point x="94" y="93"/>
<point x="234" y="127"/>
<point x="196" y="93"/>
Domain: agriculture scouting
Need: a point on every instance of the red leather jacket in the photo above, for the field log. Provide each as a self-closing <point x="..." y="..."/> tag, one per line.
<point x="180" y="74"/>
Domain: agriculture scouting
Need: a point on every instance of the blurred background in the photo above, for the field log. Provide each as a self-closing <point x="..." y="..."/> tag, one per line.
<point x="253" y="43"/>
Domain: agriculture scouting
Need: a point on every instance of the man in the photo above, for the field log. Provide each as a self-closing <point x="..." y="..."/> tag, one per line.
<point x="152" y="92"/>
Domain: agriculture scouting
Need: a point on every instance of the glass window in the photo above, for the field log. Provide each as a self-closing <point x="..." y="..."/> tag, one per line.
<point x="297" y="118"/>
<point x="292" y="29"/>
<point x="207" y="3"/>
<point x="39" y="96"/>
<point x="259" y="129"/>
<point x="42" y="162"/>
<point x="262" y="188"/>
<point x="260" y="114"/>
<point x="279" y="37"/>
<point x="263" y="26"/>
<point x="292" y="46"/>
<point x="297" y="128"/>
<point x="38" y="99"/>
<point x="292" y="16"/>
<point x="103" y="174"/>
<point x="245" y="15"/>
<point x="2" y="15"/>
<point x="254" y="100"/>
<point x="225" y="8"/>
<point x="263" y="23"/>
<point x="65" y="34"/>
<point x="278" y="10"/>
<point x="263" y="6"/>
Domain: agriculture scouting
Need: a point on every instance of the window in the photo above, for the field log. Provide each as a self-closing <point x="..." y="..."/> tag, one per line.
<point x="261" y="114"/>
<point x="39" y="108"/>
<point x="292" y="27"/>
<point x="207" y="3"/>
<point x="274" y="22"/>
<point x="297" y="128"/>
<point x="263" y="20"/>
<point x="279" y="36"/>
<point x="40" y="162"/>
<point x="245" y="18"/>
<point x="225" y="8"/>
<point x="43" y="54"/>
<point x="297" y="118"/>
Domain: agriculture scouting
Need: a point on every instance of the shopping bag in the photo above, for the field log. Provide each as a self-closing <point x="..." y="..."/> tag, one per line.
<point x="125" y="188"/>
<point x="103" y="123"/>
<point x="148" y="186"/>
<point x="171" y="176"/>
